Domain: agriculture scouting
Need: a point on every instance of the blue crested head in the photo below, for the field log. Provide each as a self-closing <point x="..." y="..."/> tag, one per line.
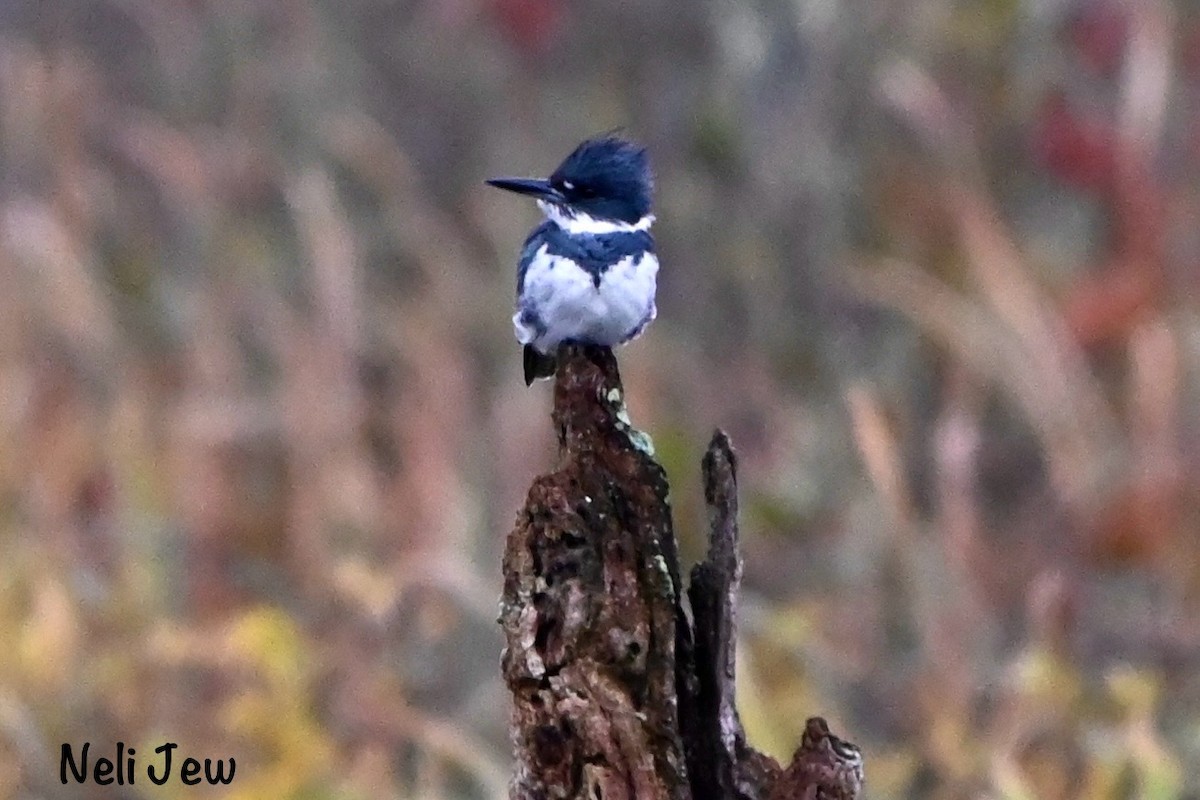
<point x="606" y="178"/>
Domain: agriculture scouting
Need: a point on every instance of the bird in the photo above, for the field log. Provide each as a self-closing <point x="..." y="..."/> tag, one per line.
<point x="588" y="273"/>
<point x="824" y="767"/>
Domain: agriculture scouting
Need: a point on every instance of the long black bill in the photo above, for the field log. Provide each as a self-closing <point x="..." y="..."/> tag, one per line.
<point x="534" y="187"/>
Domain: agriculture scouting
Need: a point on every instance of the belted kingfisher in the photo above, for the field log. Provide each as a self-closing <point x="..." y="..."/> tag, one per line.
<point x="588" y="273"/>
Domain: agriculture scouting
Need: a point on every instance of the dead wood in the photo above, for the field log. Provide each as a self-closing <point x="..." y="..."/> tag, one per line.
<point x="613" y="698"/>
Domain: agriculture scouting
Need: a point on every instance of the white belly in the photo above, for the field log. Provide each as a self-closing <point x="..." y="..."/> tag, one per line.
<point x="570" y="306"/>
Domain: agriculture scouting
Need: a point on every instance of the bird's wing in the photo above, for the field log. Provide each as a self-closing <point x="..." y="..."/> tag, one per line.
<point x="532" y="244"/>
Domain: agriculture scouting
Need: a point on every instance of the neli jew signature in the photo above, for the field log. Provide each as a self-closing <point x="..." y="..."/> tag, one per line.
<point x="160" y="769"/>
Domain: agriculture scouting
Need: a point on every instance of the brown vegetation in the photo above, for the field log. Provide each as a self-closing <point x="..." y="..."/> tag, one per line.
<point x="262" y="427"/>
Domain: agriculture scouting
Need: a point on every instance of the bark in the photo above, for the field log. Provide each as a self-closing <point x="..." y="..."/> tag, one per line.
<point x="591" y="607"/>
<point x="725" y="766"/>
<point x="613" y="698"/>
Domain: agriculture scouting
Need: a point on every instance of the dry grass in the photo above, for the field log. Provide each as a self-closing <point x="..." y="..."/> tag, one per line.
<point x="262" y="427"/>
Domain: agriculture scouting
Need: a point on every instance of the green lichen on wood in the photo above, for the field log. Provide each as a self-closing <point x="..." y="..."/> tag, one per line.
<point x="638" y="438"/>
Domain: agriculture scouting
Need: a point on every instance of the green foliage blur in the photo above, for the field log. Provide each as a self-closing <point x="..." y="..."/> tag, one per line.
<point x="934" y="265"/>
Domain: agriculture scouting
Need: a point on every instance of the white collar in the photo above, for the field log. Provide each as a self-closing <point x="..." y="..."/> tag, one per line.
<point x="584" y="223"/>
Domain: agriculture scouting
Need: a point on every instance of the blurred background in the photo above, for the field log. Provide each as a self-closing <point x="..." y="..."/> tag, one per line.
<point x="933" y="264"/>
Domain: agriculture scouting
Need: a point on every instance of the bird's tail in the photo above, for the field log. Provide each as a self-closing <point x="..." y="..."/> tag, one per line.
<point x="538" y="365"/>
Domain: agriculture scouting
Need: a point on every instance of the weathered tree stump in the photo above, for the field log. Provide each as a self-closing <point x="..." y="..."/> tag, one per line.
<point x="613" y="696"/>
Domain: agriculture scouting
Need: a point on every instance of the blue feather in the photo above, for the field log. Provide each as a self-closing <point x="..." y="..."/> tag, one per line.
<point x="594" y="253"/>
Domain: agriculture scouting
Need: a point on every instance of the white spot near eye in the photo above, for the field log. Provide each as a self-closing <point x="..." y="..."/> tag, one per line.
<point x="568" y="185"/>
